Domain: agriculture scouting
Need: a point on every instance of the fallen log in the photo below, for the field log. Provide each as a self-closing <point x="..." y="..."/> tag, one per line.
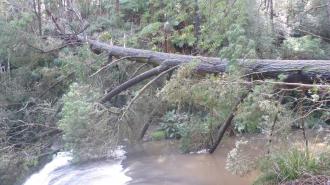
<point x="309" y="70"/>
<point x="296" y="71"/>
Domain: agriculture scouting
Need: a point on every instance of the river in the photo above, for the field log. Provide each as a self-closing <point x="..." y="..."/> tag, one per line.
<point x="151" y="163"/>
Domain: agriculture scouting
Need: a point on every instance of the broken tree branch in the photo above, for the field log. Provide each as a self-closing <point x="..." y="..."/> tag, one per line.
<point x="106" y="66"/>
<point x="155" y="71"/>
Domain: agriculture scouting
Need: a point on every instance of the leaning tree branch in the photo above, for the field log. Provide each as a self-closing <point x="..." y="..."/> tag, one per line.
<point x="224" y="127"/>
<point x="140" y="92"/>
<point x="139" y="78"/>
<point x="108" y="65"/>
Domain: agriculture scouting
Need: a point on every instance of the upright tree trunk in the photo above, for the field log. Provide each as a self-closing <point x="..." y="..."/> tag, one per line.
<point x="117" y="7"/>
<point x="197" y="24"/>
<point x="270" y="11"/>
<point x="37" y="12"/>
<point x="328" y="10"/>
<point x="40" y="17"/>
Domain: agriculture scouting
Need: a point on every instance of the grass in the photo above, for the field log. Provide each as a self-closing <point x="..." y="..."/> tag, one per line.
<point x="291" y="165"/>
<point x="158" y="135"/>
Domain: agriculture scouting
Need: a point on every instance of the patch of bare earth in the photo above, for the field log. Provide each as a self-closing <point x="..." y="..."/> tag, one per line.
<point x="310" y="180"/>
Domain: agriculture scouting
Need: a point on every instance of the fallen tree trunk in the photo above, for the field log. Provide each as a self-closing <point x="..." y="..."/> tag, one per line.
<point x="308" y="70"/>
<point x="297" y="71"/>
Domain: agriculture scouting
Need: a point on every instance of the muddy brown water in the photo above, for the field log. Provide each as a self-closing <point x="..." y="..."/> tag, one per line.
<point x="151" y="163"/>
<point x="160" y="163"/>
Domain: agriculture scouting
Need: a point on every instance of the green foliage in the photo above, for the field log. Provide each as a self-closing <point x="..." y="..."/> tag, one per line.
<point x="196" y="133"/>
<point x="153" y="35"/>
<point x="151" y="29"/>
<point x="291" y="165"/>
<point x="105" y="37"/>
<point x="239" y="46"/>
<point x="158" y="135"/>
<point x="186" y="37"/>
<point x="187" y="88"/>
<point x="82" y="62"/>
<point x="208" y="100"/>
<point x="134" y="6"/>
<point x="256" y="112"/>
<point x="220" y="15"/>
<point x="89" y="131"/>
<point x="193" y="130"/>
<point x="173" y="124"/>
<point x="305" y="47"/>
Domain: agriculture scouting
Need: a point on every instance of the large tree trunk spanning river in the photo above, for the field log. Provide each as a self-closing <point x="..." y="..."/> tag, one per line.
<point x="304" y="71"/>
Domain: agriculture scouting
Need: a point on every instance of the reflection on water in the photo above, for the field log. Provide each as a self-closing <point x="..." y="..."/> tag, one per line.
<point x="153" y="163"/>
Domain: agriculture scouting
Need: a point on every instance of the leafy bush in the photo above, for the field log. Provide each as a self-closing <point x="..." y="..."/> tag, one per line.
<point x="158" y="135"/>
<point x="172" y="124"/>
<point x="292" y="164"/>
<point x="196" y="134"/>
<point x="220" y="16"/>
<point x="151" y="29"/>
<point x="193" y="130"/>
<point x="306" y="47"/>
<point x="82" y="62"/>
<point x="239" y="46"/>
<point x="185" y="37"/>
<point x="89" y="131"/>
<point x="256" y="112"/>
<point x="238" y="162"/>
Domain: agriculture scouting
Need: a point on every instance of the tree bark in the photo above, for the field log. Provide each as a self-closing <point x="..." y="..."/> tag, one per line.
<point x="144" y="131"/>
<point x="226" y="124"/>
<point x="295" y="71"/>
<point x="117" y="7"/>
<point x="37" y="11"/>
<point x="139" y="78"/>
<point x="307" y="71"/>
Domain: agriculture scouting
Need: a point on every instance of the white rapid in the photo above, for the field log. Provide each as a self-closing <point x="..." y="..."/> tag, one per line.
<point x="60" y="171"/>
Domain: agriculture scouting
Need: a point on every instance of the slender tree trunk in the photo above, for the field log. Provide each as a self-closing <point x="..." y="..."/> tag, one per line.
<point x="328" y="10"/>
<point x="117" y="7"/>
<point x="144" y="131"/>
<point x="227" y="123"/>
<point x="37" y="12"/>
<point x="197" y="25"/>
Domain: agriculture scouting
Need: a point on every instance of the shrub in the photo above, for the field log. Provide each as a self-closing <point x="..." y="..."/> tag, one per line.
<point x="172" y="124"/>
<point x="89" y="131"/>
<point x="292" y="164"/>
<point x="305" y="47"/>
<point x="158" y="135"/>
<point x="195" y="134"/>
<point x="193" y="130"/>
